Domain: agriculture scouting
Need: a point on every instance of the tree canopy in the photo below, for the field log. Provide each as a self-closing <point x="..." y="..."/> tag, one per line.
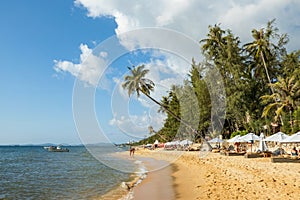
<point x="261" y="81"/>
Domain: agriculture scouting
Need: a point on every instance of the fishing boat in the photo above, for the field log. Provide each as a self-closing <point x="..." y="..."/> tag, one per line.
<point x="56" y="149"/>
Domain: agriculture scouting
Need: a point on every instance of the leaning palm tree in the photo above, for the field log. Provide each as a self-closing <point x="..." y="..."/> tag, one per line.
<point x="263" y="49"/>
<point x="285" y="97"/>
<point x="152" y="131"/>
<point x="137" y="83"/>
<point x="260" y="49"/>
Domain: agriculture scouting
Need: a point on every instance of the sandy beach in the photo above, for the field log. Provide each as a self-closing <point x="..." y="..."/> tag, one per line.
<point x="215" y="176"/>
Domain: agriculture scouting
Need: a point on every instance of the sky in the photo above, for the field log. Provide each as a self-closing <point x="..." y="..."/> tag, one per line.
<point x="63" y="62"/>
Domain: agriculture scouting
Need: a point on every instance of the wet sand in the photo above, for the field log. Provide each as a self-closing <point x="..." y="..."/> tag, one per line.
<point x="159" y="182"/>
<point x="221" y="177"/>
<point x="154" y="181"/>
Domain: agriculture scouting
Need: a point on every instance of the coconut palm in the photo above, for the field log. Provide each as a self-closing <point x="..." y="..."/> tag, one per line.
<point x="285" y="97"/>
<point x="214" y="44"/>
<point x="152" y="131"/>
<point x="260" y="49"/>
<point x="136" y="82"/>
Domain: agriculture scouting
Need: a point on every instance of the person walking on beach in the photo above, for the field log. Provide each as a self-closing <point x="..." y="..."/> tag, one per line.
<point x="131" y="151"/>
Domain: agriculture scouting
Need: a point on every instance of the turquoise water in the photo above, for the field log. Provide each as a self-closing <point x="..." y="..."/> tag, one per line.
<point x="34" y="173"/>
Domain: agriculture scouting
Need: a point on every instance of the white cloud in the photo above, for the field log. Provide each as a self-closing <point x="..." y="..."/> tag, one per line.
<point x="241" y="19"/>
<point x="90" y="68"/>
<point x="137" y="125"/>
<point x="192" y="17"/>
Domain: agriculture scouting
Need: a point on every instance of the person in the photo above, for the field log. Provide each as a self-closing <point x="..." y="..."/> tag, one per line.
<point x="131" y="151"/>
<point x="294" y="152"/>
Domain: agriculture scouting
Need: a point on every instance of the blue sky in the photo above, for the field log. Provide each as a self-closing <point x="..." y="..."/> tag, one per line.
<point x="36" y="103"/>
<point x="43" y="44"/>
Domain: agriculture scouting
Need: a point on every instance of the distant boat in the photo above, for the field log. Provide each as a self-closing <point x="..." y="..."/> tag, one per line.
<point x="56" y="149"/>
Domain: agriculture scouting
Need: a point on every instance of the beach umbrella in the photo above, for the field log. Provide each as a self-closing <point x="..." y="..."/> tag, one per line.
<point x="185" y="142"/>
<point x="292" y="139"/>
<point x="216" y="140"/>
<point x="277" y="137"/>
<point x="156" y="142"/>
<point x="174" y="143"/>
<point x="250" y="137"/>
<point x="234" y="139"/>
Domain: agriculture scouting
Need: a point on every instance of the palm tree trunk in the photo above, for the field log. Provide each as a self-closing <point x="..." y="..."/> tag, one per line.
<point x="169" y="111"/>
<point x="291" y="120"/>
<point x="267" y="73"/>
<point x="266" y="69"/>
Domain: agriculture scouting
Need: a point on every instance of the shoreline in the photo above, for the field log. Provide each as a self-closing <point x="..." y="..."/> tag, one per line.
<point x="124" y="191"/>
<point x="152" y="180"/>
<point x="159" y="182"/>
<point x="214" y="176"/>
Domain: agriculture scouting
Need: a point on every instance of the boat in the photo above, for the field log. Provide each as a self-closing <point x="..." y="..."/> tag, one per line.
<point x="56" y="149"/>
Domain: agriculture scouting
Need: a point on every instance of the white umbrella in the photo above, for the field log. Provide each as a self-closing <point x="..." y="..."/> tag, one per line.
<point x="277" y="137"/>
<point x="234" y="139"/>
<point x="174" y="143"/>
<point x="185" y="142"/>
<point x="216" y="140"/>
<point x="292" y="139"/>
<point x="249" y="137"/>
<point x="156" y="142"/>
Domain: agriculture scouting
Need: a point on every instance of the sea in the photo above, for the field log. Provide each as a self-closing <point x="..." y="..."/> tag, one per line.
<point x="31" y="172"/>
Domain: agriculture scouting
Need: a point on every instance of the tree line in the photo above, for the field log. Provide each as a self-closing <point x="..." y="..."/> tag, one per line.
<point x="261" y="88"/>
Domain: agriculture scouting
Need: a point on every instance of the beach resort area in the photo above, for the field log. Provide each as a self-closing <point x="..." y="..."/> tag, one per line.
<point x="222" y="173"/>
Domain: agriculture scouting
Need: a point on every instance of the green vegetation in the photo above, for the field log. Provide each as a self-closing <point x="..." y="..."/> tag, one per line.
<point x="261" y="81"/>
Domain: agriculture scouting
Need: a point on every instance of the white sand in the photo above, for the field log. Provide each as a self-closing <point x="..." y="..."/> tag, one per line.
<point x="222" y="177"/>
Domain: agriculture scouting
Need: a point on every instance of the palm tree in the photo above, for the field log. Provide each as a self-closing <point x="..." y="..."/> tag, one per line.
<point x="152" y="131"/>
<point x="260" y="49"/>
<point x="214" y="43"/>
<point x="285" y="97"/>
<point x="263" y="49"/>
<point x="136" y="82"/>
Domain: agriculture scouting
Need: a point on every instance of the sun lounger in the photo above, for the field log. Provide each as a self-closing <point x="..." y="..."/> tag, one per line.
<point x="229" y="153"/>
<point x="215" y="150"/>
<point x="285" y="160"/>
<point x="253" y="155"/>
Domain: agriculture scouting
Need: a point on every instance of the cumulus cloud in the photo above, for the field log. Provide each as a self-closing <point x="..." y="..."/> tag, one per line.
<point x="193" y="17"/>
<point x="189" y="17"/>
<point x="242" y="18"/>
<point x="137" y="125"/>
<point x="89" y="69"/>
